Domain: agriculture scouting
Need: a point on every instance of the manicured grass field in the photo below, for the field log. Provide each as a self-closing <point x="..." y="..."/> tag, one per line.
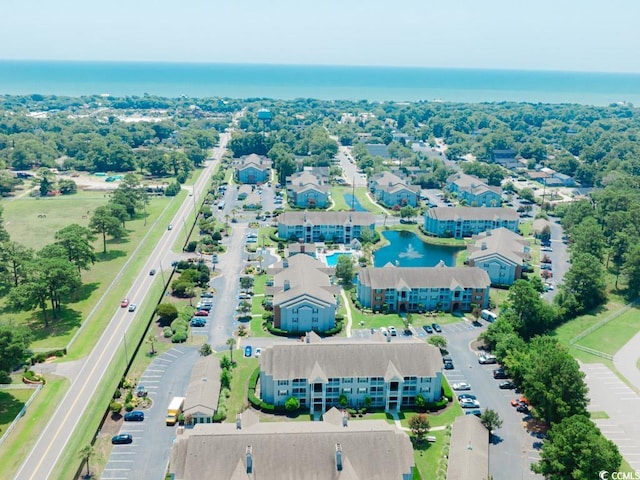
<point x="11" y="402"/>
<point x="23" y="224"/>
<point x="240" y="381"/>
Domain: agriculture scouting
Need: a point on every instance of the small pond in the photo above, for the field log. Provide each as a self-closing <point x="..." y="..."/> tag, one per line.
<point x="352" y="202"/>
<point x="407" y="250"/>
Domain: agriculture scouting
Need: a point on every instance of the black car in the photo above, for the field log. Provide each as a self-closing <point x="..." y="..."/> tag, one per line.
<point x="135" y="416"/>
<point x="446" y="359"/>
<point x="508" y="385"/>
<point x="436" y="327"/>
<point x="523" y="408"/>
<point x="476" y="412"/>
<point x="499" y="373"/>
<point x="152" y="271"/>
<point x="428" y="329"/>
<point x="122" y="439"/>
<point x="448" y="366"/>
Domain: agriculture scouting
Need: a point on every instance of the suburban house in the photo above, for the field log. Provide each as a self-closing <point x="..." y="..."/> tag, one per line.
<point x="474" y="191"/>
<point x="501" y="253"/>
<point x="333" y="448"/>
<point x="307" y="190"/>
<point x="391" y="190"/>
<point x="201" y="400"/>
<point x="507" y="158"/>
<point x="339" y="227"/>
<point x="252" y="169"/>
<point x="468" y="450"/>
<point x="302" y="295"/>
<point x="380" y="372"/>
<point x="467" y="221"/>
<point x="418" y="289"/>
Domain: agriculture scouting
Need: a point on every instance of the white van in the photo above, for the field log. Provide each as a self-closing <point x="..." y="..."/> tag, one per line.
<point x="488" y="316"/>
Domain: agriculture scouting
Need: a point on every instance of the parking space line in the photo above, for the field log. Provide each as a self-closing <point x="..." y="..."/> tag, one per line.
<point x="169" y="355"/>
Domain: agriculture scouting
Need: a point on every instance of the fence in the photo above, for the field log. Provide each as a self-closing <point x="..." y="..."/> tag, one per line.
<point x="20" y="415"/>
<point x="603" y="322"/>
<point x="594" y="352"/>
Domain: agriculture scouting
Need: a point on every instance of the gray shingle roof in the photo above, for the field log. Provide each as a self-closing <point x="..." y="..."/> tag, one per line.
<point x="469" y="450"/>
<point x="370" y="449"/>
<point x="343" y="359"/>
<point x="423" y="277"/>
<point x="499" y="241"/>
<point x="471" y="183"/>
<point x="204" y="387"/>
<point x="306" y="276"/>
<point x="473" y="213"/>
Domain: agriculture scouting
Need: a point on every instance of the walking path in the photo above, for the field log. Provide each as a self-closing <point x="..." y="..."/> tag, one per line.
<point x="396" y="420"/>
<point x="626" y="361"/>
<point x="347" y="306"/>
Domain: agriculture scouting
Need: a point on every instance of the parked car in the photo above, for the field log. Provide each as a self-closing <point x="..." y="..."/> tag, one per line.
<point x="499" y="373"/>
<point x="206" y="295"/>
<point x="523" y="408"/>
<point x="447" y="358"/>
<point x="448" y="366"/>
<point x="197" y="322"/>
<point x="384" y="331"/>
<point x="257" y="352"/>
<point x="508" y="385"/>
<point x="469" y="403"/>
<point x="392" y="331"/>
<point x="124" y="303"/>
<point x="461" y="386"/>
<point x="121" y="439"/>
<point x="248" y="351"/>
<point x="201" y="313"/>
<point x="477" y="412"/>
<point x="436" y="327"/>
<point x="462" y="396"/>
<point x="487" y="359"/>
<point x="546" y="249"/>
<point x="546" y="266"/>
<point x="519" y="401"/>
<point x="132" y="307"/>
<point x="428" y="328"/>
<point x="141" y="391"/>
<point x="134" y="416"/>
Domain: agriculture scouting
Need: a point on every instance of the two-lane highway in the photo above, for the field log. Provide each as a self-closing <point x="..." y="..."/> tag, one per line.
<point x="42" y="459"/>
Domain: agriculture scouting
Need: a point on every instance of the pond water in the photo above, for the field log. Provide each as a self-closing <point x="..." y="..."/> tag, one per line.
<point x="351" y="201"/>
<point x="407" y="250"/>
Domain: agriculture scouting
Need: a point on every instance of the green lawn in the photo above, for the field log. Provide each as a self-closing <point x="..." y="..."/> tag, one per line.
<point x="22" y="222"/>
<point x="11" y="402"/>
<point x="240" y="382"/>
<point x="95" y="281"/>
<point x="24" y="436"/>
<point x="337" y="195"/>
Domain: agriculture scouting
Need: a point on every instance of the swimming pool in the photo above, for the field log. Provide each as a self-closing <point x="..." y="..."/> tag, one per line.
<point x="332" y="260"/>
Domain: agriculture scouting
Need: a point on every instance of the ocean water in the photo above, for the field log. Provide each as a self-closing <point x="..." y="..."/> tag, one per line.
<point x="321" y="82"/>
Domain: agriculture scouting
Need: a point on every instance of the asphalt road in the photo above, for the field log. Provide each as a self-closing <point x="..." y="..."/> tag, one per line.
<point x="349" y="168"/>
<point x="512" y="451"/>
<point x="47" y="450"/>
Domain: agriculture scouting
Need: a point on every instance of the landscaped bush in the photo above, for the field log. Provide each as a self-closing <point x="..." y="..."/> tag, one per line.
<point x="179" y="325"/>
<point x="179" y="337"/>
<point x="117" y="394"/>
<point x="128" y="406"/>
<point x="42" y="356"/>
<point x="115" y="407"/>
<point x="167" y="332"/>
<point x="446" y="390"/>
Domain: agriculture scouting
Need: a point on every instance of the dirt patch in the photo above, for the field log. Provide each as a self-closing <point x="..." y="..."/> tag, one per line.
<point x="535" y="427"/>
<point x="478" y="346"/>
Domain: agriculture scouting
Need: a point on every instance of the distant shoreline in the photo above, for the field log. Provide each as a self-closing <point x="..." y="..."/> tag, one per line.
<point x="287" y="82"/>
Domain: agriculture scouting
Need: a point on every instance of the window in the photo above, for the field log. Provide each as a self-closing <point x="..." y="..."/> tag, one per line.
<point x="282" y="393"/>
<point x="346" y="390"/>
<point x="347" y="380"/>
<point x="363" y="380"/>
<point x="283" y="382"/>
<point x="362" y="390"/>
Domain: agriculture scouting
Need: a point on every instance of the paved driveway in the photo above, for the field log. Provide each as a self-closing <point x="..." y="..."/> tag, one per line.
<point x="147" y="457"/>
<point x="609" y="394"/>
<point x="513" y="449"/>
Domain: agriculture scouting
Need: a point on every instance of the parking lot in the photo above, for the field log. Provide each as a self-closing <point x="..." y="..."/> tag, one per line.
<point x="513" y="448"/>
<point x="147" y="457"/>
<point x="611" y="395"/>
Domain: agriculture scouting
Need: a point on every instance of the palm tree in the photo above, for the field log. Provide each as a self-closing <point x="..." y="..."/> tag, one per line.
<point x="231" y="342"/>
<point x="86" y="454"/>
<point x="152" y="340"/>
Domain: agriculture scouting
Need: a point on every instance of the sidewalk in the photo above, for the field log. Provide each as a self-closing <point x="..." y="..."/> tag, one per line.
<point x="626" y="361"/>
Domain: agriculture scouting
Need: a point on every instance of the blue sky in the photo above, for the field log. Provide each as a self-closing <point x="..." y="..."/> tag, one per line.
<point x="584" y="35"/>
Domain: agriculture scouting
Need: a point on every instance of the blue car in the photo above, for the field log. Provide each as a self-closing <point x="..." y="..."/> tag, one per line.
<point x="248" y="351"/>
<point x="134" y="416"/>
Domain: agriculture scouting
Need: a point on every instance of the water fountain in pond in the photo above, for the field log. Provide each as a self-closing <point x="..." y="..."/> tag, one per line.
<point x="410" y="253"/>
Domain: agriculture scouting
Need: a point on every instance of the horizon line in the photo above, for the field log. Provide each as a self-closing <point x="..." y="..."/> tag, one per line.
<point x="312" y="65"/>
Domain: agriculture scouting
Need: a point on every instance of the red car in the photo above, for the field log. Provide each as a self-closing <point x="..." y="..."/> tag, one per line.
<point x="201" y="313"/>
<point x="124" y="303"/>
